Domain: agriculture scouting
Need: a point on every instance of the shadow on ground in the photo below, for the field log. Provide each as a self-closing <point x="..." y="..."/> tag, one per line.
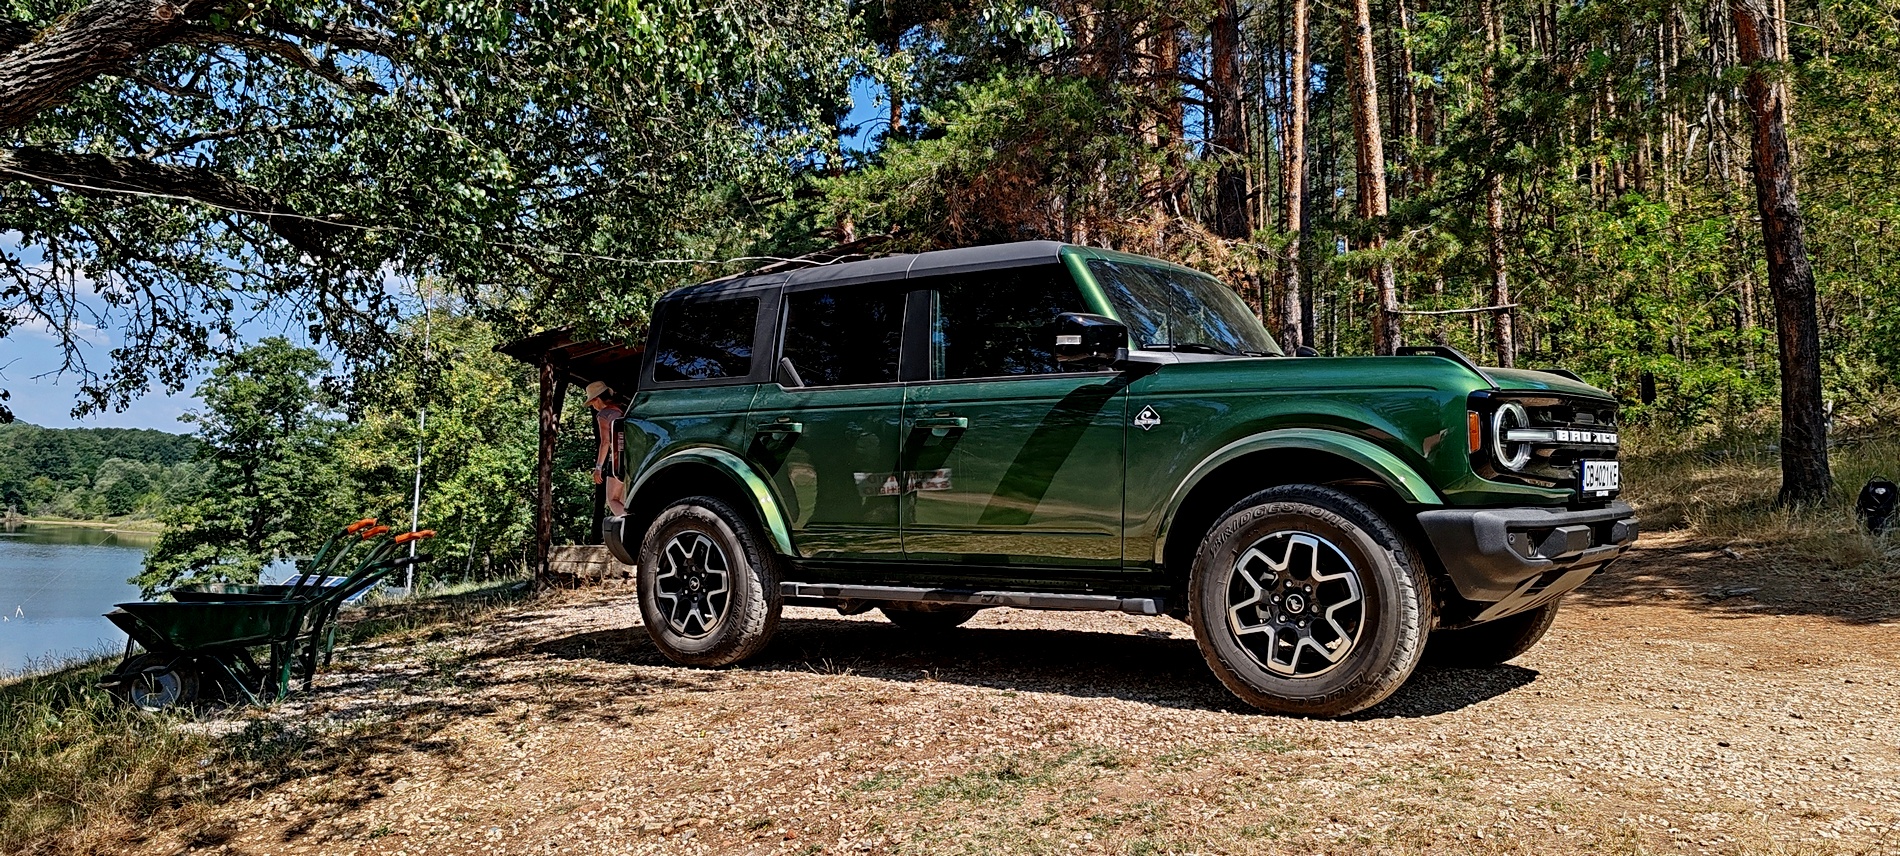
<point x="1736" y="582"/>
<point x="1148" y="669"/>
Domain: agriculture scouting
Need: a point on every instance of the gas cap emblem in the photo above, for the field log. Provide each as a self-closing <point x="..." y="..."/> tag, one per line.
<point x="1147" y="418"/>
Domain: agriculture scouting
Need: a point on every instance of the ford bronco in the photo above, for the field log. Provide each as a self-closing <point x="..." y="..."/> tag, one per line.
<point x="1046" y="426"/>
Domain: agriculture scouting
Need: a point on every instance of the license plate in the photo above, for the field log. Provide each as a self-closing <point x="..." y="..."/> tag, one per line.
<point x="1602" y="478"/>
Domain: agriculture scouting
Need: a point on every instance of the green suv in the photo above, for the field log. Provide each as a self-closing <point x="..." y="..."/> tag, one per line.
<point x="1047" y="426"/>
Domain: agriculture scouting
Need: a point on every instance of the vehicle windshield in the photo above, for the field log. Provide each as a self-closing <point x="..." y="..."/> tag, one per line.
<point x="1174" y="310"/>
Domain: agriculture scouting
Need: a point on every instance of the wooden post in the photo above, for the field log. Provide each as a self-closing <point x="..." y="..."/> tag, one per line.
<point x="553" y="393"/>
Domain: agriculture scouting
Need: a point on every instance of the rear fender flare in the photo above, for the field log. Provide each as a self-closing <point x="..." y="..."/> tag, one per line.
<point x="1403" y="480"/>
<point x="750" y="484"/>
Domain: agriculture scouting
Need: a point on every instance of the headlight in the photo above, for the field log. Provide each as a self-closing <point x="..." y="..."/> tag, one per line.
<point x="1512" y="455"/>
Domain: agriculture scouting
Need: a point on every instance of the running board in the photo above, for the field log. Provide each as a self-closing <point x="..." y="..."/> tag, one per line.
<point x="1018" y="599"/>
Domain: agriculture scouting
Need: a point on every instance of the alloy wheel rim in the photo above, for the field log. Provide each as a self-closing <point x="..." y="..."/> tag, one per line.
<point x="1296" y="604"/>
<point x="693" y="585"/>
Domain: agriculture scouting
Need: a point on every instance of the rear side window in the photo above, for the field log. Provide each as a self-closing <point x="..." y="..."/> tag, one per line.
<point x="706" y="340"/>
<point x="1001" y="323"/>
<point x="841" y="336"/>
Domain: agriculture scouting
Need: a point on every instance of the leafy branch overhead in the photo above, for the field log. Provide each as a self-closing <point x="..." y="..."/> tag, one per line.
<point x="175" y="170"/>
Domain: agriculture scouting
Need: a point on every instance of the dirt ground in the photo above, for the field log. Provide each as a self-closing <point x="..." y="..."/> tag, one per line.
<point x="1693" y="699"/>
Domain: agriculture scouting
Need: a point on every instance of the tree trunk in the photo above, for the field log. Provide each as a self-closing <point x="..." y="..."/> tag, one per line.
<point x="1227" y="135"/>
<point x="553" y="391"/>
<point x="1503" y="336"/>
<point x="1804" y="470"/>
<point x="104" y="37"/>
<point x="1364" y="77"/>
<point x="1293" y="323"/>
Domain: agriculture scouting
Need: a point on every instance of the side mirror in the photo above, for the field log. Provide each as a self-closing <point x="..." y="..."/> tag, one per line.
<point x="1089" y="343"/>
<point x="1304" y="351"/>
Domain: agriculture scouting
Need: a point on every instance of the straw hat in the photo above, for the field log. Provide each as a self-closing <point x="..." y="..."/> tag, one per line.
<point x="596" y="390"/>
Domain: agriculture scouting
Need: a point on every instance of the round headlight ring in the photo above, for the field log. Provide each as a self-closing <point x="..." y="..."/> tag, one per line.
<point x="1512" y="456"/>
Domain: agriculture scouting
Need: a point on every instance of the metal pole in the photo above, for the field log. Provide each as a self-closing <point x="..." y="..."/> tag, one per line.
<point x="422" y="424"/>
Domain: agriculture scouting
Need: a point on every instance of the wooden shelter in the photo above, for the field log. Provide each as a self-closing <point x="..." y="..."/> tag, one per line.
<point x="563" y="360"/>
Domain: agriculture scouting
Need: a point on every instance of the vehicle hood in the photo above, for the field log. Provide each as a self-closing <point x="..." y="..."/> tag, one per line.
<point x="1526" y="379"/>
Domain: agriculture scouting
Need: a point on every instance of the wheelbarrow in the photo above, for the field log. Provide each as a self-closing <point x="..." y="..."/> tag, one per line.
<point x="240" y="648"/>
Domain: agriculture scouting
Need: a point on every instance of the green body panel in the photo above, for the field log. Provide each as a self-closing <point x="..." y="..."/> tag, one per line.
<point x="836" y="478"/>
<point x="705" y="426"/>
<point x="1387" y="467"/>
<point x="1034" y="479"/>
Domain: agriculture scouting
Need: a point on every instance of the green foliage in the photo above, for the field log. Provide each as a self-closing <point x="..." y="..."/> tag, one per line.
<point x="271" y="488"/>
<point x="478" y="445"/>
<point x="524" y="154"/>
<point x="91" y="472"/>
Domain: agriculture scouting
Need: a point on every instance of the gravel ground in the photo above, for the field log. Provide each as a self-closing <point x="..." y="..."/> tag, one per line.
<point x="1692" y="700"/>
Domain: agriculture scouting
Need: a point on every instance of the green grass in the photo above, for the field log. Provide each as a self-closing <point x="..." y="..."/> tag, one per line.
<point x="77" y="766"/>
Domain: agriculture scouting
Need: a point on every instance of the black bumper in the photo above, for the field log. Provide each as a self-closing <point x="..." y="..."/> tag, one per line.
<point x="612" y="532"/>
<point x="1514" y="559"/>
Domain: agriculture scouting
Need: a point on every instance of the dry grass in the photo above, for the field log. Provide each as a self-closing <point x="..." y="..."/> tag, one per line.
<point x="1724" y="492"/>
<point x="80" y="772"/>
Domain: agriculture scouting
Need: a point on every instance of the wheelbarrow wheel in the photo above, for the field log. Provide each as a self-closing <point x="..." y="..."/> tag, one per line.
<point x="153" y="683"/>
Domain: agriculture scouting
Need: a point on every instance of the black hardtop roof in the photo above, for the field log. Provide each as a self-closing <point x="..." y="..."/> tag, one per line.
<point x="885" y="269"/>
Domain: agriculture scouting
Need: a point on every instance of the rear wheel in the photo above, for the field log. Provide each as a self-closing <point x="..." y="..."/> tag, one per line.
<point x="708" y="584"/>
<point x="928" y="619"/>
<point x="1305" y="601"/>
<point x="1492" y="642"/>
<point x="152" y="683"/>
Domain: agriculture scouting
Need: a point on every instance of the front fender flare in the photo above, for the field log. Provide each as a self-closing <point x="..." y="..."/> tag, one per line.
<point x="1388" y="467"/>
<point x="734" y="467"/>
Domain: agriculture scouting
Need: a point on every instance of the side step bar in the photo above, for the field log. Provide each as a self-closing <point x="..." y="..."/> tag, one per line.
<point x="1018" y="599"/>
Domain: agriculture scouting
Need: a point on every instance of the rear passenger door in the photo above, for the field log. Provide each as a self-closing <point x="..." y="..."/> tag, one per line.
<point x="826" y="427"/>
<point x="1009" y="460"/>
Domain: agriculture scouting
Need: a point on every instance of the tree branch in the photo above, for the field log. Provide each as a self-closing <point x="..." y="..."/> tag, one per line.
<point x="102" y="176"/>
<point x="105" y="37"/>
<point x="290" y="53"/>
<point x="341" y="35"/>
<point x="183" y="143"/>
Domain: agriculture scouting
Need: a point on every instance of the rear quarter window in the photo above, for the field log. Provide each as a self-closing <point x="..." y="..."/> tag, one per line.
<point x="706" y="340"/>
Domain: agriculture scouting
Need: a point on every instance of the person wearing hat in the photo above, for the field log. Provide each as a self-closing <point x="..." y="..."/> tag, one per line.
<point x="607" y="463"/>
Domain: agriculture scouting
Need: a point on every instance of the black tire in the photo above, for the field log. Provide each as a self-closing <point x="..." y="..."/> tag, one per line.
<point x="153" y="682"/>
<point x="1492" y="642"/>
<point x="708" y="584"/>
<point x="940" y="619"/>
<point x="1349" y="592"/>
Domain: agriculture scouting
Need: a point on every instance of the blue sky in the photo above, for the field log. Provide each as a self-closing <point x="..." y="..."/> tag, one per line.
<point x="30" y="357"/>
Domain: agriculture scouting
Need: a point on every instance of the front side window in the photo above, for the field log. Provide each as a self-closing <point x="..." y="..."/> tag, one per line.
<point x="841" y="336"/>
<point x="706" y="340"/>
<point x="1001" y="323"/>
<point x="1175" y="310"/>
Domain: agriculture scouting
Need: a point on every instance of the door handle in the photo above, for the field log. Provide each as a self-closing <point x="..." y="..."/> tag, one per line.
<point x="956" y="423"/>
<point x="782" y="428"/>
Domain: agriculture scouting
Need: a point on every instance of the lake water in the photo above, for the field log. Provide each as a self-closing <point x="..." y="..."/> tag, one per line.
<point x="56" y="584"/>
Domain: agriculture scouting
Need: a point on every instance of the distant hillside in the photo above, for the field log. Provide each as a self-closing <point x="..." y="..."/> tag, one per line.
<point x="91" y="472"/>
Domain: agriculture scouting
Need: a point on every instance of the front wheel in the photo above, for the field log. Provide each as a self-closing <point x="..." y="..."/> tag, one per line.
<point x="1305" y="601"/>
<point x="708" y="584"/>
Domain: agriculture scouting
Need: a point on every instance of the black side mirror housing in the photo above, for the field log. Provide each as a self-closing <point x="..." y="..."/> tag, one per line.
<point x="1089" y="343"/>
<point x="1304" y="351"/>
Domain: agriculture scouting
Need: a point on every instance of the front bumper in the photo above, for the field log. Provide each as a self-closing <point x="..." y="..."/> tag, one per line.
<point x="1508" y="560"/>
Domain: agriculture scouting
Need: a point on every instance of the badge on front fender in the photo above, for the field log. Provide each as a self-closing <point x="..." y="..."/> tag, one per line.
<point x="1147" y="418"/>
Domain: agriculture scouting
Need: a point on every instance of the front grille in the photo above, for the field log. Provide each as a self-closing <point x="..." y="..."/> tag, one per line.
<point x="1557" y="433"/>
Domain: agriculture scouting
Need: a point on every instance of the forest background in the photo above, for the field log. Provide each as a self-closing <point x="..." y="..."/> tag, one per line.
<point x="404" y="184"/>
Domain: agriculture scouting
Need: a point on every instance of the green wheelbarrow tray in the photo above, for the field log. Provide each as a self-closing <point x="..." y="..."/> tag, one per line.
<point x="169" y="628"/>
<point x="202" y="592"/>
